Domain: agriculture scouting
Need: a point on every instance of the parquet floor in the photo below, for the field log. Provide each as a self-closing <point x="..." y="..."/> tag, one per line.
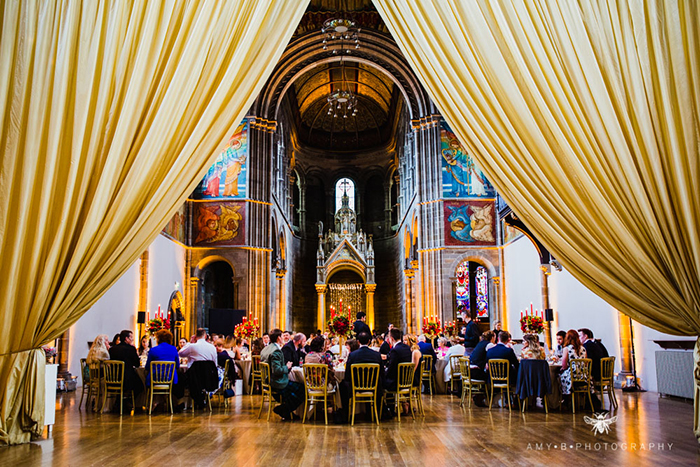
<point x="448" y="436"/>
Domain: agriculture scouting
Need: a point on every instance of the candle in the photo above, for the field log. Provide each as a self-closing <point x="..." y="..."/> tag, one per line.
<point x="521" y="314"/>
<point x="148" y="316"/>
<point x="159" y="315"/>
<point x="531" y="311"/>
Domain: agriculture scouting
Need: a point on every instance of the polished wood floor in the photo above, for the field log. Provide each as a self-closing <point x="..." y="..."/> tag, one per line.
<point x="448" y="436"/>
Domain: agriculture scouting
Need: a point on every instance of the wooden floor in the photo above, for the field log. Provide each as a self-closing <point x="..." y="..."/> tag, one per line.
<point x="448" y="436"/>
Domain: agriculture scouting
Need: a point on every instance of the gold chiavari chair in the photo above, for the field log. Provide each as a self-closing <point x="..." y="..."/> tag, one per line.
<point x="470" y="385"/>
<point x="85" y="373"/>
<point x="114" y="383"/>
<point x="580" y="380"/>
<point x="365" y="378"/>
<point x="266" y="390"/>
<point x="606" y="383"/>
<point x="162" y="376"/>
<point x="95" y="388"/>
<point x="255" y="372"/>
<point x="454" y="371"/>
<point x="499" y="374"/>
<point x="416" y="391"/>
<point x="316" y="382"/>
<point x="426" y="372"/>
<point x="402" y="393"/>
<point x="226" y="384"/>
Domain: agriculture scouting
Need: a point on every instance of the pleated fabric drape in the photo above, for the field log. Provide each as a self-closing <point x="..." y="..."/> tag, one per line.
<point x="111" y="112"/>
<point x="584" y="116"/>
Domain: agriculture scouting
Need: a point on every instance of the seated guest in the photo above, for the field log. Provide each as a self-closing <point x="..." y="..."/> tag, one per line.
<point x="233" y="347"/>
<point x="115" y="341"/>
<point x="360" y="325"/>
<point x="257" y="346"/>
<point x="99" y="350"/>
<point x="292" y="349"/>
<point x="337" y="350"/>
<point x="362" y="355"/>
<point x="416" y="356"/>
<point x="351" y="345"/>
<point x="291" y="394"/>
<point x="572" y="349"/>
<point x="426" y="348"/>
<point x="201" y="374"/>
<point x="266" y="339"/>
<point x="316" y="355"/>
<point x="182" y="343"/>
<point x="286" y="335"/>
<point x="497" y="328"/>
<point x="455" y="349"/>
<point x="559" y="349"/>
<point x="126" y="352"/>
<point x="531" y="348"/>
<point x="384" y="348"/>
<point x="399" y="353"/>
<point x="477" y="363"/>
<point x="200" y="350"/>
<point x="594" y="350"/>
<point x="164" y="352"/>
<point x="443" y="346"/>
<point x="143" y="346"/>
<point x="502" y="351"/>
<point x="376" y="343"/>
<point x="222" y="356"/>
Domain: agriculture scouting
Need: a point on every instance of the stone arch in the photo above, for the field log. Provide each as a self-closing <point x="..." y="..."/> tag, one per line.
<point x="345" y="264"/>
<point x="476" y="258"/>
<point x="207" y="260"/>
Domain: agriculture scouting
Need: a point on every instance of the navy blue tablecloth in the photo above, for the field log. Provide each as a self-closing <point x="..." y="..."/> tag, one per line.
<point x="533" y="379"/>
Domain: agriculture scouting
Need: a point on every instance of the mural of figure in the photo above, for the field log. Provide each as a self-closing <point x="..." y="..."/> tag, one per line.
<point x="469" y="222"/>
<point x="461" y="176"/>
<point x="229" y="167"/>
<point x="228" y="224"/>
<point x="207" y="223"/>
<point x="234" y="163"/>
<point x="482" y="223"/>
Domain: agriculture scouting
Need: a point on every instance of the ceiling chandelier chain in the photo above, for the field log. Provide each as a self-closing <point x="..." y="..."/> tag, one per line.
<point x="342" y="31"/>
<point x="342" y="101"/>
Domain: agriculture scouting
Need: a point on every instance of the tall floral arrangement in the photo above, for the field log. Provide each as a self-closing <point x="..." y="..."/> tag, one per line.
<point x="157" y="323"/>
<point x="339" y="324"/>
<point x="532" y="324"/>
<point x="450" y="329"/>
<point x="247" y="329"/>
<point x="431" y="328"/>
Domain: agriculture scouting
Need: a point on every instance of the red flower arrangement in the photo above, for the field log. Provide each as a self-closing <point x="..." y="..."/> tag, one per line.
<point x="339" y="324"/>
<point x="431" y="328"/>
<point x="247" y="329"/>
<point x="532" y="324"/>
<point x="450" y="329"/>
<point x="156" y="324"/>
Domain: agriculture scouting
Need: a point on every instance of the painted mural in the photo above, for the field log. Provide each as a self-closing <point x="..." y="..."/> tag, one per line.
<point x="470" y="223"/>
<point x="175" y="229"/>
<point x="510" y="233"/>
<point x="461" y="177"/>
<point x="218" y="223"/>
<point x="228" y="177"/>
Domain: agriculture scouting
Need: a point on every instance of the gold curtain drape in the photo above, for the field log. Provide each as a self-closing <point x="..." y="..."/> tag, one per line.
<point x="111" y="112"/>
<point x="584" y="115"/>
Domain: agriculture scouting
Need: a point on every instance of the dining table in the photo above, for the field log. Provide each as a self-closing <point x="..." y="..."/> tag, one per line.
<point x="244" y="367"/>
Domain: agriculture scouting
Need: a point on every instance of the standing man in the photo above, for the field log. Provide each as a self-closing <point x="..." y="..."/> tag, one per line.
<point x="292" y="350"/>
<point x="471" y="335"/>
<point x="290" y="393"/>
<point x="360" y="325"/>
<point x="126" y="352"/>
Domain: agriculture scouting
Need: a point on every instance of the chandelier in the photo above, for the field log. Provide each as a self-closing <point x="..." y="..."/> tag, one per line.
<point x="342" y="101"/>
<point x="340" y="30"/>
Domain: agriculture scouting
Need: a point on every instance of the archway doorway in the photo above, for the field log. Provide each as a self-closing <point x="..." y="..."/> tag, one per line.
<point x="346" y="287"/>
<point x="216" y="291"/>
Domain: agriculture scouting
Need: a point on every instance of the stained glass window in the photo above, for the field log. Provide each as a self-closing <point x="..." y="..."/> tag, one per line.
<point x="342" y="186"/>
<point x="482" y="293"/>
<point x="462" y="288"/>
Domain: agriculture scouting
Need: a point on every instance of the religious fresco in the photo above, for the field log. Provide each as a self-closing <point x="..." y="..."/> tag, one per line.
<point x="175" y="228"/>
<point x="461" y="177"/>
<point x="470" y="223"/>
<point x="228" y="177"/>
<point x="218" y="223"/>
<point x="510" y="233"/>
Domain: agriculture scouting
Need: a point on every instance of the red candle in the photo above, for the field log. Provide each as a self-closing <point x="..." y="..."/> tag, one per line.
<point x="521" y="315"/>
<point x="531" y="310"/>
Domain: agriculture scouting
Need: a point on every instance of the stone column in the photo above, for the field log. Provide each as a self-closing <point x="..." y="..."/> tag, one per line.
<point x="192" y="303"/>
<point x="496" y="299"/>
<point x="546" y="272"/>
<point x="143" y="291"/>
<point x="281" y="298"/>
<point x="321" y="312"/>
<point x="62" y="357"/>
<point x="370" y="288"/>
<point x="410" y="274"/>
<point x="625" y="326"/>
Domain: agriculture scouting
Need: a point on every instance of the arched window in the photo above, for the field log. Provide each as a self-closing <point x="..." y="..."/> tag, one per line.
<point x="342" y="186"/>
<point x="482" y="292"/>
<point x="462" y="287"/>
<point x="472" y="289"/>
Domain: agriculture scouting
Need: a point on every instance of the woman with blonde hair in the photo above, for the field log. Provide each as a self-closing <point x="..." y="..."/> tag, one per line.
<point x="99" y="350"/>
<point x="532" y="349"/>
<point x="416" y="356"/>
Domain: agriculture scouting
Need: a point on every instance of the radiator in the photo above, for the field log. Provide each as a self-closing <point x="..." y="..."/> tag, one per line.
<point x="674" y="373"/>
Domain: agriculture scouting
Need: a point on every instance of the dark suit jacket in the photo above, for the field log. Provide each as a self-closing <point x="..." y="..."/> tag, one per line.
<point x="401" y="353"/>
<point x="427" y="349"/>
<point x="363" y="355"/>
<point x="291" y="354"/>
<point x="478" y="356"/>
<point x="361" y="326"/>
<point x="595" y="353"/>
<point x="127" y="353"/>
<point x="506" y="353"/>
<point x="384" y="348"/>
<point x="471" y="335"/>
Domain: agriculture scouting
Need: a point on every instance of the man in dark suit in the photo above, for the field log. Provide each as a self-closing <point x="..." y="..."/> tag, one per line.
<point x="126" y="352"/>
<point x="594" y="351"/>
<point x="385" y="347"/>
<point x="362" y="355"/>
<point x="426" y="348"/>
<point x="471" y="334"/>
<point x="292" y="350"/>
<point x="399" y="353"/>
<point x="502" y="351"/>
<point x="360" y="325"/>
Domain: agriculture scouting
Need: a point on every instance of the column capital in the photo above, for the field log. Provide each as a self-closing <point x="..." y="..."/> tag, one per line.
<point x="410" y="273"/>
<point x="546" y="268"/>
<point x="496" y="280"/>
<point x="280" y="273"/>
<point x="194" y="280"/>
<point x="370" y="288"/>
<point x="321" y="288"/>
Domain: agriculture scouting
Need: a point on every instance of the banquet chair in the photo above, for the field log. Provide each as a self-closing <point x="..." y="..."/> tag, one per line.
<point x="534" y="380"/>
<point x="402" y="393"/>
<point x="606" y="384"/>
<point x="580" y="380"/>
<point x="417" y="393"/>
<point x="114" y="383"/>
<point x="95" y="387"/>
<point x="85" y="373"/>
<point x="426" y="372"/>
<point x="454" y="371"/>
<point x="365" y="378"/>
<point x="255" y="373"/>
<point x="470" y="385"/>
<point x="226" y="384"/>
<point x="316" y="382"/>
<point x="499" y="374"/>
<point x="162" y="376"/>
<point x="266" y="390"/>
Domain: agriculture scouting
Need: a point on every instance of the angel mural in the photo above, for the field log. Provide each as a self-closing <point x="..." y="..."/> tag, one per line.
<point x="461" y="177"/>
<point x="229" y="166"/>
<point x="218" y="223"/>
<point x="469" y="223"/>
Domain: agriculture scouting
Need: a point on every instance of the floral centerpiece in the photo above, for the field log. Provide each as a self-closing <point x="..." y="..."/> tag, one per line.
<point x="431" y="329"/>
<point x="247" y="329"/>
<point x="532" y="324"/>
<point x="158" y="323"/>
<point x="339" y="324"/>
<point x="50" y="353"/>
<point x="450" y="329"/>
